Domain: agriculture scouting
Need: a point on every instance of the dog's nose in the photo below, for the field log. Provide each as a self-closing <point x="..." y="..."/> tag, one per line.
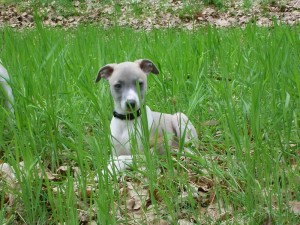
<point x="131" y="104"/>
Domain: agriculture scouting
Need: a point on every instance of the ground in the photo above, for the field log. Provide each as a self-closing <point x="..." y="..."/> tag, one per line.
<point x="241" y="90"/>
<point x="149" y="14"/>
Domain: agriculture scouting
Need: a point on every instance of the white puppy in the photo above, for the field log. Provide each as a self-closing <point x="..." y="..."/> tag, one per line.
<point x="128" y="85"/>
<point x="6" y="91"/>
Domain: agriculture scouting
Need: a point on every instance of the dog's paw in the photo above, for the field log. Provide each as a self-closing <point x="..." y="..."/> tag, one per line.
<point x="96" y="178"/>
<point x="109" y="172"/>
<point x="115" y="167"/>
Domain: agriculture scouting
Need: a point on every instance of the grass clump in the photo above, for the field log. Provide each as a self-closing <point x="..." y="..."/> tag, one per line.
<point x="240" y="88"/>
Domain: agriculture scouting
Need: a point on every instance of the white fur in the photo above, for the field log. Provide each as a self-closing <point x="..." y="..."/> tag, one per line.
<point x="4" y="83"/>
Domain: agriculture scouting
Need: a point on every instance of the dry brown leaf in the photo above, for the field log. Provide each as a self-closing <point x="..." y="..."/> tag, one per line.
<point x="203" y="183"/>
<point x="55" y="190"/>
<point x="50" y="176"/>
<point x="159" y="222"/>
<point x="130" y="204"/>
<point x="43" y="173"/>
<point x="210" y="123"/>
<point x="76" y="171"/>
<point x="7" y="173"/>
<point x="218" y="212"/>
<point x="293" y="145"/>
<point x="93" y="222"/>
<point x="88" y="191"/>
<point x="136" y="196"/>
<point x="184" y="196"/>
<point x="8" y="177"/>
<point x="157" y="196"/>
<point x="184" y="222"/>
<point x="295" y="207"/>
<point x="140" y="199"/>
<point x="83" y="216"/>
<point x="62" y="170"/>
<point x="222" y="22"/>
<point x="76" y="3"/>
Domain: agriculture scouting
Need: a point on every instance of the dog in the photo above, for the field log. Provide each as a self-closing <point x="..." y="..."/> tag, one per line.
<point x="6" y="89"/>
<point x="128" y="85"/>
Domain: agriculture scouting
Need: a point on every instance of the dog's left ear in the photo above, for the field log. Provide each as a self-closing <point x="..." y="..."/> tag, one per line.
<point x="147" y="66"/>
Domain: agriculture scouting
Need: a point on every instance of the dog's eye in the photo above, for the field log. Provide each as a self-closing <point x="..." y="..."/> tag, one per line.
<point x="118" y="86"/>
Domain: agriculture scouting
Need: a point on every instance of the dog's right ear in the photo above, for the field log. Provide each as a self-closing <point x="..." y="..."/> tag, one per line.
<point x="105" y="72"/>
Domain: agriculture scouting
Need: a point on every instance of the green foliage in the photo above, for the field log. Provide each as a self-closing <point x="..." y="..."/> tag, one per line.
<point x="217" y="3"/>
<point x="246" y="79"/>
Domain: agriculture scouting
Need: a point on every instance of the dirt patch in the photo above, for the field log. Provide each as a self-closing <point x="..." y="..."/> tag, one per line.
<point x="149" y="15"/>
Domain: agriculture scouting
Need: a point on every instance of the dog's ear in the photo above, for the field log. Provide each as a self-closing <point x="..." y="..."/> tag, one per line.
<point x="147" y="66"/>
<point x="105" y="72"/>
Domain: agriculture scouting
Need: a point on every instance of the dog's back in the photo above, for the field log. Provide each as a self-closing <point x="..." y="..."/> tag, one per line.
<point x="5" y="89"/>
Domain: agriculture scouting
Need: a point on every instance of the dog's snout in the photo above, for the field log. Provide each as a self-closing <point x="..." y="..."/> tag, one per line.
<point x="131" y="104"/>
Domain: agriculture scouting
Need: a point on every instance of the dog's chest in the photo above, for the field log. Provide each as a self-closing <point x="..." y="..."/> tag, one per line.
<point x="129" y="134"/>
<point x="125" y="134"/>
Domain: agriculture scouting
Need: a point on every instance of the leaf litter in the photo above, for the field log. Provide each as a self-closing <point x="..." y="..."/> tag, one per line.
<point x="137" y="207"/>
<point x="136" y="204"/>
<point x="149" y="15"/>
<point x="134" y="201"/>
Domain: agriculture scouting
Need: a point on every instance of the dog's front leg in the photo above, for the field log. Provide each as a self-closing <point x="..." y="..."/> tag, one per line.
<point x="120" y="163"/>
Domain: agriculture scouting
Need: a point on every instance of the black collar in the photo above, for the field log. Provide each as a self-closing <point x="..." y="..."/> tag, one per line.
<point x="129" y="116"/>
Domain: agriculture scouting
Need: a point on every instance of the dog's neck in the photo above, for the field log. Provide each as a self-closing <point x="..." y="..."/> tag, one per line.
<point x="128" y="116"/>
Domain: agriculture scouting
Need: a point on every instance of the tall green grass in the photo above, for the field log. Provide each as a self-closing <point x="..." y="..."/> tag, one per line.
<point x="246" y="79"/>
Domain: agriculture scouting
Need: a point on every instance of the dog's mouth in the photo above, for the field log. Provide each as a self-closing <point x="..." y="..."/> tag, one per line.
<point x="131" y="106"/>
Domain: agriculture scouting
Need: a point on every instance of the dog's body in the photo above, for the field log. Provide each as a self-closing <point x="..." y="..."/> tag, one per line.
<point x="128" y="84"/>
<point x="7" y="92"/>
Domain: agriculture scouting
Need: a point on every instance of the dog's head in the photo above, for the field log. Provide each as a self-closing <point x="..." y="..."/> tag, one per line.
<point x="128" y="82"/>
